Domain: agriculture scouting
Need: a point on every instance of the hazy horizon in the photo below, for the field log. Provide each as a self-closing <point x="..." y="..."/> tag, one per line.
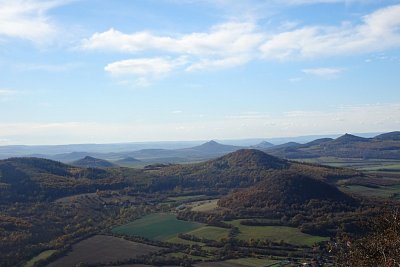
<point x="79" y="71"/>
<point x="243" y="141"/>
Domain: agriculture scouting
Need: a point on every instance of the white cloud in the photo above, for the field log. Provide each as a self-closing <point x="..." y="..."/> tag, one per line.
<point x="236" y="43"/>
<point x="212" y="64"/>
<point x="379" y="31"/>
<point x="223" y="46"/>
<point x="222" y="40"/>
<point x="27" y="19"/>
<point x="324" y="72"/>
<point x="145" y="69"/>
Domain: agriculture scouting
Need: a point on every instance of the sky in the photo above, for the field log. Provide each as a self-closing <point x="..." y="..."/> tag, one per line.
<point x="109" y="71"/>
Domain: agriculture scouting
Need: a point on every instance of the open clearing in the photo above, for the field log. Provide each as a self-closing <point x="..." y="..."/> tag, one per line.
<point x="42" y="256"/>
<point x="289" y="235"/>
<point x="101" y="249"/>
<point x="210" y="232"/>
<point x="204" y="206"/>
<point x="160" y="226"/>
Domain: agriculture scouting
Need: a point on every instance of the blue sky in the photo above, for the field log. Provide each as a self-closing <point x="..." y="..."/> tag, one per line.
<point x="85" y="71"/>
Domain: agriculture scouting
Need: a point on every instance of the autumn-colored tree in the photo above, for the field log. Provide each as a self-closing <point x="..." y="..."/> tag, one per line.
<point x="379" y="247"/>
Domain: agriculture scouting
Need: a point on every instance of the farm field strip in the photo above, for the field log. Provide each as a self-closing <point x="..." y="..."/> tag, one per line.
<point x="42" y="256"/>
<point x="286" y="234"/>
<point x="101" y="249"/>
<point x="382" y="191"/>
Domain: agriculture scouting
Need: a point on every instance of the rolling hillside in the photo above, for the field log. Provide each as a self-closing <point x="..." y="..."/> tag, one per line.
<point x="25" y="179"/>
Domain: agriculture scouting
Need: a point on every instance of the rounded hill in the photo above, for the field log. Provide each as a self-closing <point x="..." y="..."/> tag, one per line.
<point x="285" y="190"/>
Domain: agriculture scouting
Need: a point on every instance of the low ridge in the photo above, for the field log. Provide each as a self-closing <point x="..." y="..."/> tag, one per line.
<point x="391" y="136"/>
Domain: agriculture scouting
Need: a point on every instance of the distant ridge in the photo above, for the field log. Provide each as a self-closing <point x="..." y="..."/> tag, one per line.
<point x="91" y="162"/>
<point x="127" y="161"/>
<point x="319" y="141"/>
<point x="288" y="144"/>
<point x="395" y="136"/>
<point x="383" y="146"/>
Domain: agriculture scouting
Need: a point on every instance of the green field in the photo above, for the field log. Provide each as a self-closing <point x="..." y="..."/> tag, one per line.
<point x="42" y="256"/>
<point x="383" y="191"/>
<point x="289" y="235"/>
<point x="204" y="206"/>
<point x="210" y="232"/>
<point x="359" y="164"/>
<point x="160" y="226"/>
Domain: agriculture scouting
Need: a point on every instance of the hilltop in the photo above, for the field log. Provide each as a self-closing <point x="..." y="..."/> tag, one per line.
<point x="91" y="162"/>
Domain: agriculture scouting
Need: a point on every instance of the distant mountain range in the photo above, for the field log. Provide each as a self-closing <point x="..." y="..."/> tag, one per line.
<point x="382" y="146"/>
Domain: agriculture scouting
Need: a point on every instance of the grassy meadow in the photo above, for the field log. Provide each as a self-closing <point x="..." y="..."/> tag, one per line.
<point x="159" y="226"/>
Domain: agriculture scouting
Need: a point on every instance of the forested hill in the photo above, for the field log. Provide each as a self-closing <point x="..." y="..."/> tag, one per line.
<point x="284" y="191"/>
<point x="24" y="179"/>
<point x="244" y="168"/>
